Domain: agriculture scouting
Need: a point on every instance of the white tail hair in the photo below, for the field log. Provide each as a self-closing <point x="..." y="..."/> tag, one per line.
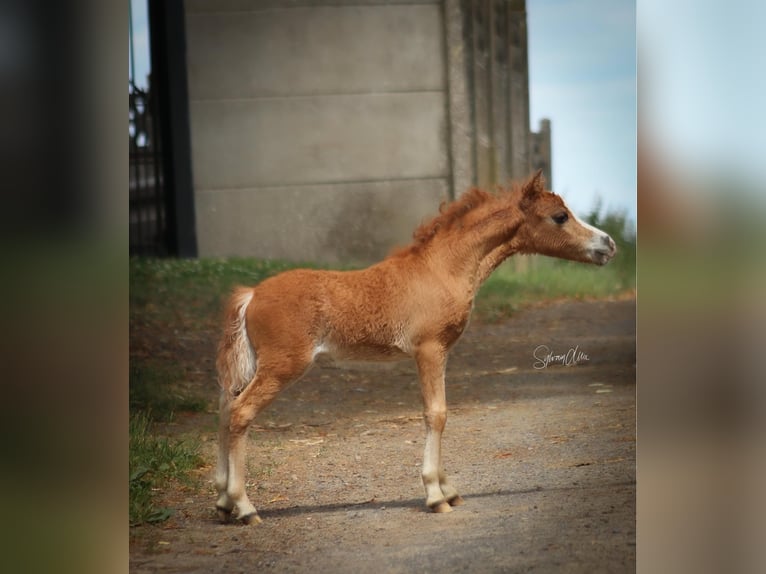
<point x="236" y="361"/>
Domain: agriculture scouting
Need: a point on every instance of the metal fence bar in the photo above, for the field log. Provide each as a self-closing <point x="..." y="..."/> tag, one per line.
<point x="146" y="189"/>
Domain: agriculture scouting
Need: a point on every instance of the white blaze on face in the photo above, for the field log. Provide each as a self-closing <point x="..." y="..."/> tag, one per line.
<point x="596" y="239"/>
<point x="600" y="245"/>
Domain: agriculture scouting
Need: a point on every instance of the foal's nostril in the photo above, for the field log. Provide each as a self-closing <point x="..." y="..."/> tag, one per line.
<point x="608" y="241"/>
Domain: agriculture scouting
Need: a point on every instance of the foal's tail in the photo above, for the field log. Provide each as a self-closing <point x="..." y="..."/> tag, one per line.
<point x="236" y="360"/>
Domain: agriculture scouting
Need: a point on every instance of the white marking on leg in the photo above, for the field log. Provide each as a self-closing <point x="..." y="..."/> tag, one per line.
<point x="236" y="488"/>
<point x="431" y="467"/>
<point x="449" y="491"/>
<point x="224" y="502"/>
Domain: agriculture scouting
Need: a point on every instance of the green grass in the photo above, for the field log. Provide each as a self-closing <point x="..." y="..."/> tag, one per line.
<point x="192" y="290"/>
<point x="154" y="463"/>
<point x="153" y="391"/>
<point x="508" y="290"/>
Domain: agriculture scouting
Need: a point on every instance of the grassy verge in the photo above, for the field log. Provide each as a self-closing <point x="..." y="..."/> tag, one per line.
<point x="509" y="290"/>
<point x="189" y="292"/>
<point x="153" y="391"/>
<point x="154" y="463"/>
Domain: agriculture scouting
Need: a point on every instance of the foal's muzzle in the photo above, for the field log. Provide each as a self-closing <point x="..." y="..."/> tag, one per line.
<point x="604" y="250"/>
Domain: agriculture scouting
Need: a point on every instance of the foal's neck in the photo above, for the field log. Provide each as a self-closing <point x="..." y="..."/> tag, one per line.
<point x="485" y="239"/>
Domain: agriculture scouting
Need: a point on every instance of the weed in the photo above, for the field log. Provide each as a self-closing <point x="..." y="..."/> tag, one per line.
<point x="153" y="463"/>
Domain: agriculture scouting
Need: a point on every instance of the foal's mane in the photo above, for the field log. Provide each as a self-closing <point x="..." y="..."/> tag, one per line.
<point x="450" y="216"/>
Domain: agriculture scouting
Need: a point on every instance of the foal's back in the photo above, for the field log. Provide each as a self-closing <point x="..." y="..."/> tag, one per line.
<point x="367" y="314"/>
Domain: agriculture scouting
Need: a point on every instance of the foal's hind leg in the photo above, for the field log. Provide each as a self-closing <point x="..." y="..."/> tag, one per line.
<point x="270" y="378"/>
<point x="431" y="360"/>
<point x="224" y="505"/>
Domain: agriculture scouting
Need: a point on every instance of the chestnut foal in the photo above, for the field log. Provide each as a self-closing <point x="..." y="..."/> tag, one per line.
<point x="415" y="303"/>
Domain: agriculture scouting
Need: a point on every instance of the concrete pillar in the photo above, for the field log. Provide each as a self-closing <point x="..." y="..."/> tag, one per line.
<point x="518" y="70"/>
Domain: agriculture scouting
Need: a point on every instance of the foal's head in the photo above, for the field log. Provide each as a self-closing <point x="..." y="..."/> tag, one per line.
<point x="550" y="228"/>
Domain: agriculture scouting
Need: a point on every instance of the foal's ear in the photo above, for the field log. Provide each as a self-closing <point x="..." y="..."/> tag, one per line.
<point x="533" y="189"/>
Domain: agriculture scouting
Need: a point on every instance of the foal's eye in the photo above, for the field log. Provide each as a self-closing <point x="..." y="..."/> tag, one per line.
<point x="561" y="218"/>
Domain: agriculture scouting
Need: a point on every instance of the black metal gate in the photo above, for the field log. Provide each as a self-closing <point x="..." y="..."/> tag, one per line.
<point x="148" y="224"/>
<point x="160" y="183"/>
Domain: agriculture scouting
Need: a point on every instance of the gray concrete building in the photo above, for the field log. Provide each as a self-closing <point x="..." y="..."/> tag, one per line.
<point x="541" y="155"/>
<point x="328" y="130"/>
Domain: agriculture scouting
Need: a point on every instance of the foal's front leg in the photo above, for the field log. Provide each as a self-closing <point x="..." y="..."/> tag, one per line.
<point x="431" y="360"/>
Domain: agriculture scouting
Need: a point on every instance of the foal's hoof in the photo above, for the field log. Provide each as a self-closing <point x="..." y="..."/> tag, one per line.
<point x="224" y="515"/>
<point x="441" y="507"/>
<point x="251" y="518"/>
<point x="456" y="501"/>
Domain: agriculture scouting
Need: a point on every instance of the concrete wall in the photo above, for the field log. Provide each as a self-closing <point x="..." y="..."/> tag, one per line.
<point x="497" y="70"/>
<point x="541" y="151"/>
<point x="327" y="130"/>
<point x="319" y="131"/>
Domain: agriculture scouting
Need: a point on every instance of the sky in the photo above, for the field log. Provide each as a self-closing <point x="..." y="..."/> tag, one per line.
<point x="140" y="61"/>
<point x="582" y="76"/>
<point x="703" y="85"/>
